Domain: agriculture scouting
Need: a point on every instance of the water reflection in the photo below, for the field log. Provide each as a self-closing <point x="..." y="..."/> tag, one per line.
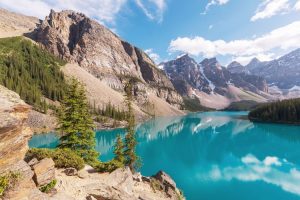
<point x="216" y="151"/>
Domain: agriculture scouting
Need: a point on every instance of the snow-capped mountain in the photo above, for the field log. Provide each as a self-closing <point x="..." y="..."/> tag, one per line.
<point x="283" y="72"/>
<point x="213" y="84"/>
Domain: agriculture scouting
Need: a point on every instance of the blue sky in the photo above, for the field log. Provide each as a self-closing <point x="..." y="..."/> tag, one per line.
<point x="226" y="29"/>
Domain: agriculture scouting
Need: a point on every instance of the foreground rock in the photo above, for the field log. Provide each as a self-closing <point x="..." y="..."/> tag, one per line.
<point x="13" y="146"/>
<point x="44" y="172"/>
<point x="120" y="184"/>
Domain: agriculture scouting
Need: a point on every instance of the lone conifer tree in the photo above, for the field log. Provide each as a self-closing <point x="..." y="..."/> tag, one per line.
<point x="76" y="124"/>
<point x="118" y="150"/>
<point x="131" y="159"/>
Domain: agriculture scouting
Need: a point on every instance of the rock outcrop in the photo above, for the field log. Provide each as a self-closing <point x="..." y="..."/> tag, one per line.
<point x="81" y="40"/>
<point x="14" y="138"/>
<point x="14" y="135"/>
<point x="120" y="184"/>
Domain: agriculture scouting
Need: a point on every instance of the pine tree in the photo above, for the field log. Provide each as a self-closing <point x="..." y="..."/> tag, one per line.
<point x="118" y="150"/>
<point x="76" y="124"/>
<point x="131" y="159"/>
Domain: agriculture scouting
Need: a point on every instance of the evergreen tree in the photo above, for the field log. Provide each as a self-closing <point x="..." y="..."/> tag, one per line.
<point x="131" y="158"/>
<point x="76" y="124"/>
<point x="118" y="150"/>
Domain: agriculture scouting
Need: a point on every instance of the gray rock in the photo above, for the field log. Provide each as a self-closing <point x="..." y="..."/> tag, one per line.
<point x="33" y="162"/>
<point x="70" y="171"/>
<point x="44" y="172"/>
<point x="165" y="179"/>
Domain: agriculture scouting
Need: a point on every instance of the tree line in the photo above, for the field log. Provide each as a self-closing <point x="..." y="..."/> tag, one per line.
<point x="285" y="111"/>
<point x="31" y="72"/>
<point x="111" y="111"/>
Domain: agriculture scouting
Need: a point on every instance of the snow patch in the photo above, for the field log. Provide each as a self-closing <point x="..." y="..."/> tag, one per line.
<point x="211" y="85"/>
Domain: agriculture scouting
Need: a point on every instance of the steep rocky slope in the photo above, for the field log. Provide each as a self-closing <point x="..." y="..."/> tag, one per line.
<point x="80" y="40"/>
<point x="13" y="24"/>
<point x="213" y="84"/>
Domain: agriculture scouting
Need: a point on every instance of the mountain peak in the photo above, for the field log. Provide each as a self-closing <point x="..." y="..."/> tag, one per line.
<point x="184" y="57"/>
<point x="254" y="60"/>
<point x="210" y="62"/>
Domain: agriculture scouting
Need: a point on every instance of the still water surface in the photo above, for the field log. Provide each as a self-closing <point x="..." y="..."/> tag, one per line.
<point x="214" y="155"/>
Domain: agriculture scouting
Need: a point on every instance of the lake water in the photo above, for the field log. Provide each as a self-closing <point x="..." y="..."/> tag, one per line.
<point x="214" y="155"/>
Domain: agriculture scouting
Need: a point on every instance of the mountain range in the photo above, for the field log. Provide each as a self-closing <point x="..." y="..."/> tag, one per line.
<point x="214" y="85"/>
<point x="105" y="63"/>
<point x="282" y="74"/>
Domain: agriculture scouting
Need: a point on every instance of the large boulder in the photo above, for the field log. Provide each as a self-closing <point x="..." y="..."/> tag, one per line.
<point x="44" y="171"/>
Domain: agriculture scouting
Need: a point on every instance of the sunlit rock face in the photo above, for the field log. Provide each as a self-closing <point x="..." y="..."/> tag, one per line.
<point x="14" y="135"/>
<point x="79" y="39"/>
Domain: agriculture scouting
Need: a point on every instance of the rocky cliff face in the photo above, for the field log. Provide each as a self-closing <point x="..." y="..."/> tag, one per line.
<point x="14" y="135"/>
<point x="78" y="39"/>
<point x="186" y="74"/>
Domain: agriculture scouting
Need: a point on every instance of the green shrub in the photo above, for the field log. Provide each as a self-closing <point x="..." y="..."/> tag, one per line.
<point x="63" y="158"/>
<point x="8" y="180"/>
<point x="4" y="182"/>
<point x="109" y="166"/>
<point x="48" y="187"/>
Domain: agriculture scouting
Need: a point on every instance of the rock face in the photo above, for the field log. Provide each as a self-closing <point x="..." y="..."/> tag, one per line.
<point x="283" y="72"/>
<point x="221" y="77"/>
<point x="14" y="135"/>
<point x="78" y="39"/>
<point x="186" y="74"/>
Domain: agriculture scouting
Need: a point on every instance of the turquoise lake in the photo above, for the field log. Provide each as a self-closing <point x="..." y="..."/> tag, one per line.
<point x="214" y="155"/>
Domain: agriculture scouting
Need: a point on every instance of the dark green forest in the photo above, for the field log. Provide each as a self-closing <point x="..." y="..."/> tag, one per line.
<point x="30" y="71"/>
<point x="285" y="111"/>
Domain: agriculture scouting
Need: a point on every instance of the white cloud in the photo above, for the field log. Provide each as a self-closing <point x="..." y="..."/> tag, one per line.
<point x="153" y="9"/>
<point x="297" y="5"/>
<point x="212" y="3"/>
<point x="244" y="60"/>
<point x="270" y="171"/>
<point x="269" y="8"/>
<point x="154" y="56"/>
<point x="285" y="38"/>
<point x="104" y="11"/>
